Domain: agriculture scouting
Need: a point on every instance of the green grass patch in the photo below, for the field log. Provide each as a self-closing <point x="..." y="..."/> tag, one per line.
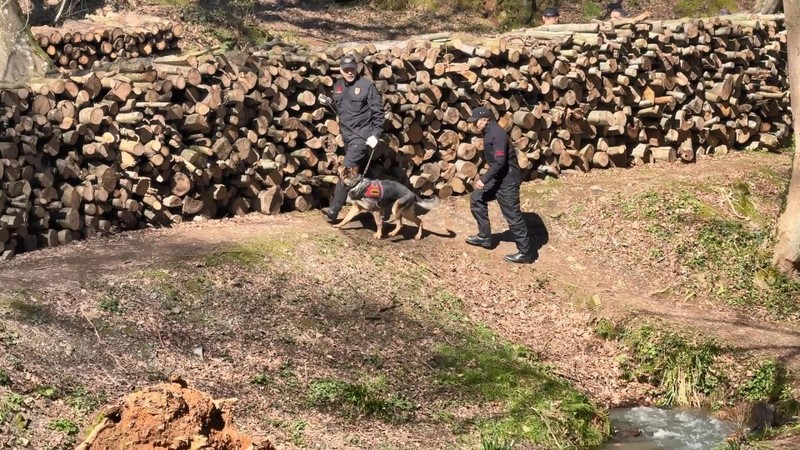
<point x="10" y="406"/>
<point x="48" y="392"/>
<point x="592" y="9"/>
<point x="370" y="397"/>
<point x="537" y="407"/>
<point x="183" y="292"/>
<point x="541" y="194"/>
<point x="328" y="244"/>
<point x="769" y="382"/>
<point x="65" y="426"/>
<point x="295" y="428"/>
<point x="16" y="304"/>
<point x="688" y="370"/>
<point x="768" y="386"/>
<point x="743" y="204"/>
<point x="256" y="34"/>
<point x="508" y="13"/>
<point x="727" y="249"/>
<point x="733" y="263"/>
<point x="668" y="207"/>
<point x="431" y="5"/>
<point x="109" y="304"/>
<point x="447" y="309"/>
<point x="261" y="379"/>
<point x="175" y="2"/>
<point x="81" y="400"/>
<point x="607" y="329"/>
<point x="703" y="8"/>
<point x="250" y="254"/>
<point x="409" y="281"/>
<point x="155" y="275"/>
<point x="232" y="22"/>
<point x="682" y="367"/>
<point x="450" y="304"/>
<point x="492" y="442"/>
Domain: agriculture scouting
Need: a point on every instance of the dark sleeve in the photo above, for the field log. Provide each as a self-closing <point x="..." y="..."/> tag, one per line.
<point x="375" y="102"/>
<point x="498" y="146"/>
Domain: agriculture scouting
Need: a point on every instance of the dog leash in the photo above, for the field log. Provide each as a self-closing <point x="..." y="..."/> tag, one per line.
<point x="369" y="161"/>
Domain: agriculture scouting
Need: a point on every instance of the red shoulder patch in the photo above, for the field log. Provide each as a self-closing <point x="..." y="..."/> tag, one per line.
<point x="374" y="190"/>
<point x="499" y="152"/>
<point x="338" y="88"/>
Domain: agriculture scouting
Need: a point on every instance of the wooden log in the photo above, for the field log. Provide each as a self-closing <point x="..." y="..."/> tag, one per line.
<point x="664" y="154"/>
<point x="466" y="169"/>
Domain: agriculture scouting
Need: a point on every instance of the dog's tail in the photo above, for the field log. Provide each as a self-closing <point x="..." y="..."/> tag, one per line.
<point x="428" y="203"/>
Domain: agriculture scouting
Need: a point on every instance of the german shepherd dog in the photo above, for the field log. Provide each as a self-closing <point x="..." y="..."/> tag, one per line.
<point x="377" y="196"/>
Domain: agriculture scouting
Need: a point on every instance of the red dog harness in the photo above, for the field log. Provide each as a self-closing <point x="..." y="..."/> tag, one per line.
<point x="374" y="190"/>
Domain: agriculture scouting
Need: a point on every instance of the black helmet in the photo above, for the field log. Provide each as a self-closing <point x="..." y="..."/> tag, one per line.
<point x="550" y="11"/>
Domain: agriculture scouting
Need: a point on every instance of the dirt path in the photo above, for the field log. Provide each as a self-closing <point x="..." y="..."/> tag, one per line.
<point x="494" y="292"/>
<point x="120" y="255"/>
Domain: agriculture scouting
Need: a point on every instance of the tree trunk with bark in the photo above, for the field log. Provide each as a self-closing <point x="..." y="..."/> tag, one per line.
<point x="787" y="252"/>
<point x="20" y="57"/>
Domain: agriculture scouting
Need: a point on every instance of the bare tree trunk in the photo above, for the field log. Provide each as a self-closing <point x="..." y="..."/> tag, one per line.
<point x="787" y="252"/>
<point x="20" y="57"/>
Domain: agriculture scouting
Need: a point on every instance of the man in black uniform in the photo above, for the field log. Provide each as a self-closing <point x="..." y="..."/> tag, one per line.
<point x="500" y="182"/>
<point x="360" y="109"/>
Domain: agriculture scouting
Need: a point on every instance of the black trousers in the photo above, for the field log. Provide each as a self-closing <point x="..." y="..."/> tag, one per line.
<point x="507" y="195"/>
<point x="356" y="155"/>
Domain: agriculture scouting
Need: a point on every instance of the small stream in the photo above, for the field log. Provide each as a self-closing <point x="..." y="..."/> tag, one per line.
<point x="646" y="428"/>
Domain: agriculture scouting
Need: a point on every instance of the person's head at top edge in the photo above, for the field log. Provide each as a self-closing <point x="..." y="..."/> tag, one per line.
<point x="610" y="7"/>
<point x="348" y="67"/>
<point x="550" y="16"/>
<point x="618" y="13"/>
<point x="481" y="117"/>
<point x="724" y="12"/>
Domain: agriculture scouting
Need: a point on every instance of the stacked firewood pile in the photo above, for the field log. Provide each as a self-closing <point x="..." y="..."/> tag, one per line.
<point x="159" y="141"/>
<point x="78" y="44"/>
<point x="663" y="90"/>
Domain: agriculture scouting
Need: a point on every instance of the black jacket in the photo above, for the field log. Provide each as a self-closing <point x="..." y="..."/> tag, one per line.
<point x="497" y="152"/>
<point x="360" y="109"/>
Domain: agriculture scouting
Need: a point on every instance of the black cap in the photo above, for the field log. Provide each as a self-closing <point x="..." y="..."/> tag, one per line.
<point x="348" y="62"/>
<point x="480" y="113"/>
<point x="550" y="12"/>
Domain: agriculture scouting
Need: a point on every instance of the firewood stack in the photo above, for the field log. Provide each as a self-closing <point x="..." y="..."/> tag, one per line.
<point x="159" y="141"/>
<point x="667" y="90"/>
<point x="136" y="144"/>
<point x="78" y="44"/>
<point x="579" y="96"/>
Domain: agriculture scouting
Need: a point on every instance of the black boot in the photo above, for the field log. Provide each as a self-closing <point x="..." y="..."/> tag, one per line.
<point x="480" y="241"/>
<point x="519" y="258"/>
<point x="330" y="215"/>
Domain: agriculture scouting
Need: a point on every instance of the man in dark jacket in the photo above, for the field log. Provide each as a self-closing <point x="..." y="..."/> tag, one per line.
<point x="360" y="109"/>
<point x="501" y="182"/>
